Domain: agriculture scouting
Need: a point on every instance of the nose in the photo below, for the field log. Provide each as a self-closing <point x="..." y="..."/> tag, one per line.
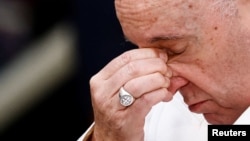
<point x="176" y="82"/>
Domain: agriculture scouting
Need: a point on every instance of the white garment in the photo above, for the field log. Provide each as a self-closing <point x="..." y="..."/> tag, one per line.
<point x="172" y="121"/>
<point x="244" y="118"/>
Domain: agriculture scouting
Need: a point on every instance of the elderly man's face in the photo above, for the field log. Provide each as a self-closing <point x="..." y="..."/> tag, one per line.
<point x="205" y="47"/>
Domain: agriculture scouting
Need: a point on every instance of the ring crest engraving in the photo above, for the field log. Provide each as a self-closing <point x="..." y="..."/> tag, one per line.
<point x="126" y="99"/>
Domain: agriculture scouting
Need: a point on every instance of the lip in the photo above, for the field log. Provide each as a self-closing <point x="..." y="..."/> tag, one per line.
<point x="196" y="107"/>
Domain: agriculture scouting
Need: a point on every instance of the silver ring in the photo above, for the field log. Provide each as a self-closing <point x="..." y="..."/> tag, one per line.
<point x="126" y="99"/>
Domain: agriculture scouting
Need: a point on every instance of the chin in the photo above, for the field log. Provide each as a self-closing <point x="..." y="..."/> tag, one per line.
<point x="216" y="119"/>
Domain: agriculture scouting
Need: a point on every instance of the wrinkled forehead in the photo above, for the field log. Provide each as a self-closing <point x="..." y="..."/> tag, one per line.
<point x="139" y="6"/>
<point x="142" y="15"/>
<point x="146" y="12"/>
<point x="151" y="3"/>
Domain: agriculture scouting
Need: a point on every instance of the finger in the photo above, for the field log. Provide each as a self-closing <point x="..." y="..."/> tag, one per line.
<point x="129" y="56"/>
<point x="133" y="70"/>
<point x="148" y="100"/>
<point x="136" y="87"/>
<point x="147" y="83"/>
<point x="136" y="113"/>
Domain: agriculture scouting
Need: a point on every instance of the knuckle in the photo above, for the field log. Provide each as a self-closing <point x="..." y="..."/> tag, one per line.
<point x="93" y="82"/>
<point x="167" y="82"/>
<point x="125" y="58"/>
<point x="163" y="81"/>
<point x="163" y="66"/>
<point x="163" y="90"/>
<point x="160" y="79"/>
<point x="132" y="88"/>
<point x="145" y="100"/>
<point x="160" y="66"/>
<point x="159" y="76"/>
<point x="168" y="95"/>
<point x="97" y="92"/>
<point x="131" y="69"/>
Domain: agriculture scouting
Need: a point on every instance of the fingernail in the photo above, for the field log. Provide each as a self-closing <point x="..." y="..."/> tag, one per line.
<point x="163" y="56"/>
<point x="167" y="84"/>
<point x="169" y="73"/>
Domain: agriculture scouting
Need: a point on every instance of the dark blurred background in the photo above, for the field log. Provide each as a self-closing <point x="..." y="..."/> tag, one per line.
<point x="49" y="49"/>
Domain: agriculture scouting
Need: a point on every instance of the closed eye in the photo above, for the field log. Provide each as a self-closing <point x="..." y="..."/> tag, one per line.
<point x="174" y="52"/>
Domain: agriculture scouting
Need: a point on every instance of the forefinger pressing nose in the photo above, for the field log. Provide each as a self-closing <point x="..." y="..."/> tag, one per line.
<point x="176" y="83"/>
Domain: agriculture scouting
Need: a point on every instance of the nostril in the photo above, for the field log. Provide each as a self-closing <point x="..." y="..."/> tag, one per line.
<point x="176" y="83"/>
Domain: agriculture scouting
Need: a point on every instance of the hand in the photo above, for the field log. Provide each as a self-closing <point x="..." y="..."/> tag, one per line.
<point x="144" y="74"/>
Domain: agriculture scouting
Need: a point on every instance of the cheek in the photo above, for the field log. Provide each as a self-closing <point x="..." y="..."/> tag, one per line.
<point x="216" y="72"/>
<point x="205" y="72"/>
<point x="218" y="76"/>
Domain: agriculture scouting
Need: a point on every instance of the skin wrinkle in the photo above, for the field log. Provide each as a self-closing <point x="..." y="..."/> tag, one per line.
<point x="203" y="43"/>
<point x="145" y="9"/>
<point x="138" y="10"/>
<point x="124" y="12"/>
<point x="193" y="20"/>
<point x="190" y="24"/>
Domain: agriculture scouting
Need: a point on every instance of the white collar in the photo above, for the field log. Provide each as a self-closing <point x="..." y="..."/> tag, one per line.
<point x="244" y="118"/>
